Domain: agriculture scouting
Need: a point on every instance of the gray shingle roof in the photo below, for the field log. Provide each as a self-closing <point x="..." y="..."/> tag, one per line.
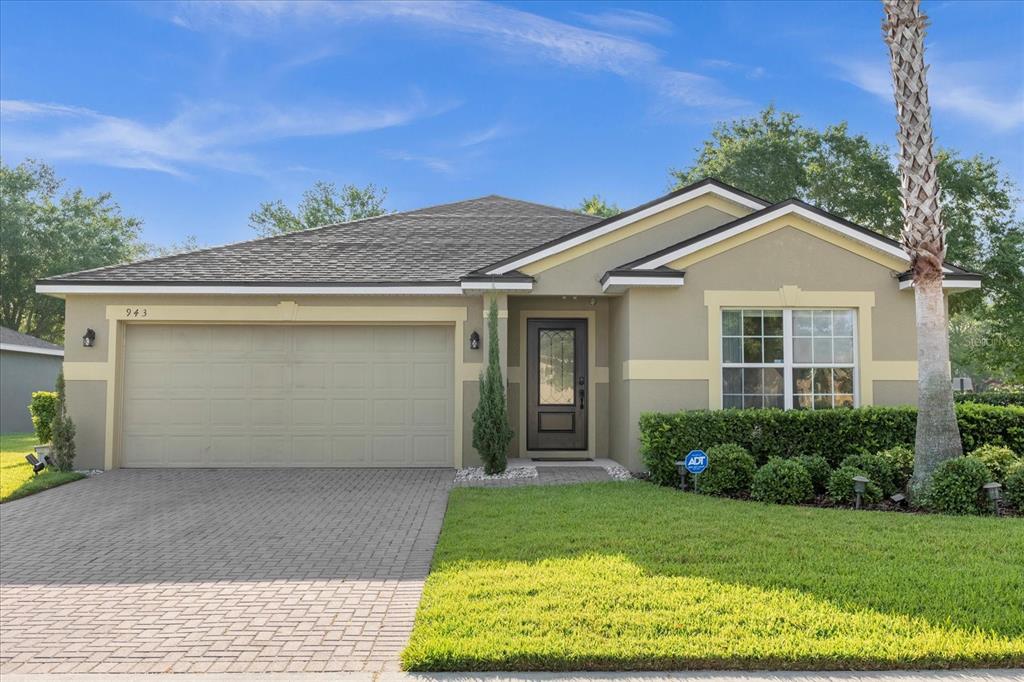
<point x="13" y="338"/>
<point x="435" y="244"/>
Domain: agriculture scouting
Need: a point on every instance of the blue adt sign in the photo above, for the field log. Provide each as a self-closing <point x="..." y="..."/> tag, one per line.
<point x="696" y="461"/>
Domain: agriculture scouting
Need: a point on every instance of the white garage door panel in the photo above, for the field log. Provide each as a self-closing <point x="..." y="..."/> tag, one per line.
<point x="325" y="396"/>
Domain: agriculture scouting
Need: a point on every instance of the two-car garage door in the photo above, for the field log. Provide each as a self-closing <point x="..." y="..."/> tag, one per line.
<point x="277" y="395"/>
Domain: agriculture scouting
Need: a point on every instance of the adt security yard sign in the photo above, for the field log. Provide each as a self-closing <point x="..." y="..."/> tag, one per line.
<point x="696" y="461"/>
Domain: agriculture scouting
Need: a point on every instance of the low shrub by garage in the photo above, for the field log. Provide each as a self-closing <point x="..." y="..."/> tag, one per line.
<point x="730" y="471"/>
<point x="841" y="487"/>
<point x="997" y="459"/>
<point x="877" y="468"/>
<point x="43" y="409"/>
<point x="1013" y="486"/>
<point x="818" y="469"/>
<point x="832" y="434"/>
<point x="956" y="487"/>
<point x="782" y="481"/>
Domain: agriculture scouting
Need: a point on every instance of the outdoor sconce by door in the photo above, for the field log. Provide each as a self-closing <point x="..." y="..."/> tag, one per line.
<point x="89" y="338"/>
<point x="474" y="341"/>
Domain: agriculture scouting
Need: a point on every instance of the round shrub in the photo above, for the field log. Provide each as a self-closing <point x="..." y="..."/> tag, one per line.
<point x="730" y="470"/>
<point x="998" y="460"/>
<point x="955" y="487"/>
<point x="782" y="481"/>
<point x="875" y="467"/>
<point x="1013" y="486"/>
<point x="901" y="462"/>
<point x="819" y="470"/>
<point x="841" y="487"/>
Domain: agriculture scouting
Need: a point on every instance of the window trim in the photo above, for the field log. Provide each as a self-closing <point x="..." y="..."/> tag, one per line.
<point x="788" y="364"/>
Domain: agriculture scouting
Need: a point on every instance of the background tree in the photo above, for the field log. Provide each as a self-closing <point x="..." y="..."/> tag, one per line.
<point x="44" y="234"/>
<point x="924" y="237"/>
<point x="189" y="243"/>
<point x="773" y="156"/>
<point x="595" y="205"/>
<point x="491" y="431"/>
<point x="322" y="204"/>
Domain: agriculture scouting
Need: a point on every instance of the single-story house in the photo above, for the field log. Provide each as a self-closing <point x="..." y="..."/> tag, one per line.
<point x="27" y="365"/>
<point x="361" y="344"/>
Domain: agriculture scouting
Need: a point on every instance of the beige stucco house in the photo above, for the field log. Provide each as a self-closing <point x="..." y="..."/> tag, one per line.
<point x="361" y="344"/>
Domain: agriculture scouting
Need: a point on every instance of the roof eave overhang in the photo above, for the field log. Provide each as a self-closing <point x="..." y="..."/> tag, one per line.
<point x="34" y="350"/>
<point x="250" y="289"/>
<point x="513" y="281"/>
<point x="949" y="281"/>
<point x="617" y="281"/>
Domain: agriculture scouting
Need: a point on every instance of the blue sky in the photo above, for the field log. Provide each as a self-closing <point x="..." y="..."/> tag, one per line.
<point x="191" y="114"/>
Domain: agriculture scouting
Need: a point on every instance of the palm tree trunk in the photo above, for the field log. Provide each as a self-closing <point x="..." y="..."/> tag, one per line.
<point x="924" y="236"/>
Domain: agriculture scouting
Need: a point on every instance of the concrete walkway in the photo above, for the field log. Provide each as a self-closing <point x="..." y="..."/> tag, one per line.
<point x="768" y="676"/>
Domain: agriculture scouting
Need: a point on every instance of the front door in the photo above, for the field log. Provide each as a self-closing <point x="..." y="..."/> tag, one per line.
<point x="556" y="384"/>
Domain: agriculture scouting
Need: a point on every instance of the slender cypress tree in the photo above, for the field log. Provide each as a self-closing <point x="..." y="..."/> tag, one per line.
<point x="491" y="431"/>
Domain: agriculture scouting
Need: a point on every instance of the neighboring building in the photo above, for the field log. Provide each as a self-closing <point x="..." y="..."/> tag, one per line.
<point x="27" y="364"/>
<point x="350" y="345"/>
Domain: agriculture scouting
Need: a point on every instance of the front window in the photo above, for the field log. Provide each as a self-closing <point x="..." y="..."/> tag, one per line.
<point x="788" y="359"/>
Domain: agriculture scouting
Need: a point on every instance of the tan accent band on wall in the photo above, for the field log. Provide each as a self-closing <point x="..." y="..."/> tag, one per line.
<point x="666" y="370"/>
<point x="601" y="375"/>
<point x="893" y="370"/>
<point x="87" y="371"/>
<point x="283" y="312"/>
<point x="791" y="296"/>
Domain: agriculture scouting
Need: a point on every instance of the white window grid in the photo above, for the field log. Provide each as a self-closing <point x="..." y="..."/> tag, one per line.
<point x="788" y="364"/>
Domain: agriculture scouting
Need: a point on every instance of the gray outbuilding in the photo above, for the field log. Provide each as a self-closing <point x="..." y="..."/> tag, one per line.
<point x="27" y="364"/>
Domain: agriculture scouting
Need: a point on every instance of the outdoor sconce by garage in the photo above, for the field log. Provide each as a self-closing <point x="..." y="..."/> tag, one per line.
<point x="474" y="341"/>
<point x="89" y="338"/>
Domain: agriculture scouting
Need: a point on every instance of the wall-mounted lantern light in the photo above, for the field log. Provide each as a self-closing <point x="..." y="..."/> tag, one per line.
<point x="89" y="338"/>
<point x="474" y="341"/>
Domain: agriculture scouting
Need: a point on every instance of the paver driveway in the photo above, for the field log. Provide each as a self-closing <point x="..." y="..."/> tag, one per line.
<point x="217" y="570"/>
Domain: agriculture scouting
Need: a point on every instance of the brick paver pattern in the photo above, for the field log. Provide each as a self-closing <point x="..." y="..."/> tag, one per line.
<point x="219" y="570"/>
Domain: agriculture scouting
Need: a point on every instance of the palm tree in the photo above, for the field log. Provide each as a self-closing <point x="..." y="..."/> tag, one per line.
<point x="923" y="237"/>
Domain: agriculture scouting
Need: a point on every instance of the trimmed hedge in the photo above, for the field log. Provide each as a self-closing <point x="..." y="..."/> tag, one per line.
<point x="956" y="487"/>
<point x="730" y="470"/>
<point x="819" y="470"/>
<point x="43" y="409"/>
<point x="991" y="397"/>
<point x="1013" y="488"/>
<point x="782" y="481"/>
<point x="998" y="460"/>
<point x="832" y="434"/>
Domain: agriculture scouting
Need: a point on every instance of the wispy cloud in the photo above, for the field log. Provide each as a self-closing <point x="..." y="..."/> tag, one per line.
<point x="956" y="87"/>
<point x="494" y="26"/>
<point x="628" y="21"/>
<point x="477" y="137"/>
<point x="751" y="72"/>
<point x="213" y="135"/>
<point x="434" y="163"/>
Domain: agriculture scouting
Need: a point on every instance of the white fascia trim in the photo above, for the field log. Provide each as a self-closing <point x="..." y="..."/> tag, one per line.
<point x="857" y="235"/>
<point x="623" y="281"/>
<point x="497" y="286"/>
<point x="242" y="290"/>
<point x="628" y="220"/>
<point x="18" y="348"/>
<point x="947" y="284"/>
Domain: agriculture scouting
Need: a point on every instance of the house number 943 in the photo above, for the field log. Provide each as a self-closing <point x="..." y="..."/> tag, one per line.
<point x="135" y="312"/>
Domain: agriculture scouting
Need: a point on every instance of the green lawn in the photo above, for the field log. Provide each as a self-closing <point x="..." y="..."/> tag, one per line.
<point x="16" y="479"/>
<point x="630" y="576"/>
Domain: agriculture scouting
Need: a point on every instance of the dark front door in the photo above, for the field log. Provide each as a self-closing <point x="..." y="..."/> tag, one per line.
<point x="556" y="384"/>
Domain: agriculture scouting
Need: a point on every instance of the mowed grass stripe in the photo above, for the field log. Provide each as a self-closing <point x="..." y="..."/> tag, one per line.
<point x="631" y="576"/>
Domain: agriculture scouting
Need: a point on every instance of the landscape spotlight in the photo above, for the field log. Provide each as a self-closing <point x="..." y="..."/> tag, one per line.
<point x="681" y="468"/>
<point x="860" y="484"/>
<point x="993" y="490"/>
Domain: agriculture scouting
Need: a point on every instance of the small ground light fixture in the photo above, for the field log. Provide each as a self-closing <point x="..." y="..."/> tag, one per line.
<point x="993" y="490"/>
<point x="860" y="484"/>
